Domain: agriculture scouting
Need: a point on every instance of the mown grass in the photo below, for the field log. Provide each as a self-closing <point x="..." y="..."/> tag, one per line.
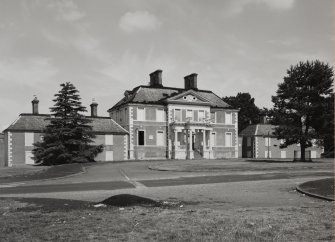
<point x="23" y="222"/>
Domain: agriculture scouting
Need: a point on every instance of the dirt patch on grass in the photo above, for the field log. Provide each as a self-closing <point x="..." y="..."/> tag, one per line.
<point x="310" y="223"/>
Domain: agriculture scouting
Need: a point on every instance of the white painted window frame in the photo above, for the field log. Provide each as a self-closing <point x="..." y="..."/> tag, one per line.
<point x="163" y="137"/>
<point x="228" y="114"/>
<point x="231" y="139"/>
<point x="161" y="117"/>
<point x="109" y="139"/>
<point x="189" y="111"/>
<point x="29" y="138"/>
<point x="267" y="141"/>
<point x="175" y="114"/>
<point x="137" y="116"/>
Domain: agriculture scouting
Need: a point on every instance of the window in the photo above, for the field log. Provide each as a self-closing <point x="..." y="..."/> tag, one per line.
<point x="213" y="139"/>
<point x="283" y="154"/>
<point x="248" y="141"/>
<point x="160" y="138"/>
<point x="189" y="115"/>
<point x="282" y="141"/>
<point x="140" y="114"/>
<point x="228" y="118"/>
<point x="267" y="141"/>
<point x="160" y="115"/>
<point x="177" y="115"/>
<point x="28" y="139"/>
<point x="266" y="154"/>
<point x="29" y="158"/>
<point x="140" y="137"/>
<point x="108" y="139"/>
<point x="228" y="140"/>
<point x="213" y="117"/>
<point x="41" y="138"/>
<point x="201" y="115"/>
<point x="109" y="155"/>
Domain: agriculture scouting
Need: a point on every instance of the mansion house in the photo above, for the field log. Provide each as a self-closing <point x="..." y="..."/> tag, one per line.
<point x="176" y="123"/>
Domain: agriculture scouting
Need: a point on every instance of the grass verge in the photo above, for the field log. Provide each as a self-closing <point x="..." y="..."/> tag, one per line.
<point x="61" y="220"/>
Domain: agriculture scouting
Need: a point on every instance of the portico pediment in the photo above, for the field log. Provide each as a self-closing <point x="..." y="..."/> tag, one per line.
<point x="188" y="97"/>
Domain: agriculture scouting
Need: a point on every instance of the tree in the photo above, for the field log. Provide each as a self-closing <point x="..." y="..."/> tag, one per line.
<point x="68" y="136"/>
<point x="298" y="102"/>
<point x="249" y="112"/>
<point x="324" y="124"/>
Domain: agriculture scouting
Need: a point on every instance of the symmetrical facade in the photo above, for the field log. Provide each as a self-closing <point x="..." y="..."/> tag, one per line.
<point x="259" y="141"/>
<point x="27" y="129"/>
<point x="177" y="123"/>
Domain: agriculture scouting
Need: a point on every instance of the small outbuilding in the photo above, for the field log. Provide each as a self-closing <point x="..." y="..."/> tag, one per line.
<point x="27" y="129"/>
<point x="259" y="141"/>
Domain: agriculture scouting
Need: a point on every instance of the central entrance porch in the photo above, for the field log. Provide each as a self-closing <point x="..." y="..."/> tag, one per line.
<point x="190" y="141"/>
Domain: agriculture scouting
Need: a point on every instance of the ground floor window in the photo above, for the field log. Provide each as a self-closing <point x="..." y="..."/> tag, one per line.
<point x="109" y="155"/>
<point x="228" y="139"/>
<point x="283" y="154"/>
<point x="160" y="138"/>
<point x="141" y="137"/>
<point x="29" y="158"/>
<point x="266" y="154"/>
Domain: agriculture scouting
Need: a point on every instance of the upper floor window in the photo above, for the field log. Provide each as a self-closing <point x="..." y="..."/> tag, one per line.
<point x="177" y="115"/>
<point x="249" y="141"/>
<point x="140" y="114"/>
<point x="160" y="115"/>
<point x="201" y="115"/>
<point x="108" y="139"/>
<point x="228" y="117"/>
<point x="28" y="139"/>
<point x="267" y="141"/>
<point x="213" y="117"/>
<point x="189" y="115"/>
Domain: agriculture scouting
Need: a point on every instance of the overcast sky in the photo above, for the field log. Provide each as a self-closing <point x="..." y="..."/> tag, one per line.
<point x="106" y="47"/>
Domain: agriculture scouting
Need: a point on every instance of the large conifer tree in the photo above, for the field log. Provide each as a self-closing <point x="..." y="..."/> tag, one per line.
<point x="298" y="102"/>
<point x="249" y="112"/>
<point x="68" y="136"/>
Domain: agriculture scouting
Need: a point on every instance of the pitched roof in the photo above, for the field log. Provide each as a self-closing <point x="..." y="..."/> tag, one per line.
<point x="158" y="95"/>
<point x="37" y="122"/>
<point x="258" y="130"/>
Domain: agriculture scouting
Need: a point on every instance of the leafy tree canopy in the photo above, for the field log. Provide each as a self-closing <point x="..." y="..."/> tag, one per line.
<point x="249" y="112"/>
<point x="68" y="136"/>
<point x="298" y="102"/>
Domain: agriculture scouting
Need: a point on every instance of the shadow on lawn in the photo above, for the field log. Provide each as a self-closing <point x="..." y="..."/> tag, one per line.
<point x="121" y="200"/>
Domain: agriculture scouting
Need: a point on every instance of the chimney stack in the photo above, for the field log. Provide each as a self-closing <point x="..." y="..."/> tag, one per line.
<point x="156" y="78"/>
<point x="191" y="81"/>
<point x="94" y="108"/>
<point x="35" y="105"/>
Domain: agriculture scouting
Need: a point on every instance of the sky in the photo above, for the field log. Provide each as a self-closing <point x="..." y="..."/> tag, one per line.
<point x="106" y="47"/>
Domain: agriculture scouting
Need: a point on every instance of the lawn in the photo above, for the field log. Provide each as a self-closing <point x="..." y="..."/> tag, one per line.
<point x="62" y="220"/>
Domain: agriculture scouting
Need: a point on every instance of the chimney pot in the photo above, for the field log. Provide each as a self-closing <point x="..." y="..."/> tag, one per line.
<point x="191" y="81"/>
<point x="156" y="78"/>
<point x="35" y="105"/>
<point x="94" y="108"/>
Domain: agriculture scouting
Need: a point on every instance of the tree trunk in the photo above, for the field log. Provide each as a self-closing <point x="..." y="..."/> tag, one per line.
<point x="302" y="150"/>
